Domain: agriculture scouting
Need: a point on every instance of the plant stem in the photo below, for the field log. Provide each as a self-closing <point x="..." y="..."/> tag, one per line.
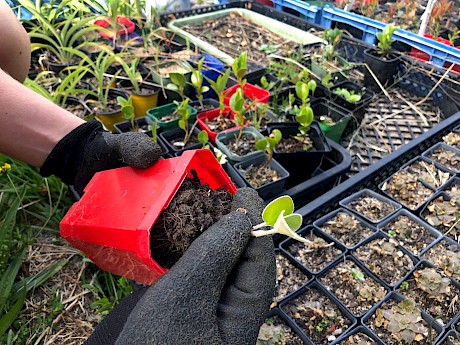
<point x="259" y="226"/>
<point x="259" y="233"/>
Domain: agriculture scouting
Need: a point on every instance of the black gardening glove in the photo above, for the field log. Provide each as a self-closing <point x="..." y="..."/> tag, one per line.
<point x="89" y="149"/>
<point x="217" y="293"/>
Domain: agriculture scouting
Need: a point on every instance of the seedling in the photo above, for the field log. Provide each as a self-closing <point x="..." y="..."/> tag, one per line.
<point x="349" y="95"/>
<point x="184" y="112"/>
<point x="219" y="87"/>
<point x="404" y="285"/>
<point x="357" y="274"/>
<point x="279" y="215"/>
<point x="333" y="37"/>
<point x="239" y="68"/>
<point x="203" y="138"/>
<point x="240" y="109"/>
<point x="385" y="39"/>
<point x="268" y="144"/>
<point x="153" y="128"/>
<point x="127" y="109"/>
<point x="179" y="83"/>
<point x="258" y="114"/>
<point x="304" y="114"/>
<point x="133" y="74"/>
<point x="197" y="81"/>
<point x="266" y="84"/>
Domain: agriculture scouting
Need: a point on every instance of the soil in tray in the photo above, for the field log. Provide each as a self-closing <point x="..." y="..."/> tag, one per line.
<point x="346" y="229"/>
<point x="178" y="143"/>
<point x="410" y="234"/>
<point x="383" y="257"/>
<point x="446" y="157"/>
<point x="406" y="189"/>
<point x="315" y="256"/>
<point x="429" y="173"/>
<point x="452" y="340"/>
<point x="400" y="323"/>
<point x="220" y="123"/>
<point x="274" y="331"/>
<point x="192" y="210"/>
<point x="446" y="256"/>
<point x="452" y="139"/>
<point x="205" y="107"/>
<point x="288" y="278"/>
<point x="371" y="207"/>
<point x="444" y="215"/>
<point x="433" y="292"/>
<point x="354" y="288"/>
<point x="454" y="190"/>
<point x="241" y="147"/>
<point x="259" y="176"/>
<point x="317" y="316"/>
<point x="76" y="109"/>
<point x="96" y="107"/>
<point x="234" y="34"/>
<point x="294" y="145"/>
<point x="358" y="339"/>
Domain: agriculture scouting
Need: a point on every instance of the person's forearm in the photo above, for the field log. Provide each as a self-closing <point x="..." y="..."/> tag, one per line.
<point x="30" y="125"/>
<point x="15" y="45"/>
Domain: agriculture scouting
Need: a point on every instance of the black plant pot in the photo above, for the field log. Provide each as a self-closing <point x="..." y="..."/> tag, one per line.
<point x="269" y="190"/>
<point x="358" y="108"/>
<point x="383" y="68"/>
<point x="301" y="164"/>
<point x="179" y="133"/>
<point x="341" y="117"/>
<point x="206" y="102"/>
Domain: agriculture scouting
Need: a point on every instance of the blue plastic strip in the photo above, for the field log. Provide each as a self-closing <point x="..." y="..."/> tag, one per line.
<point x="311" y="13"/>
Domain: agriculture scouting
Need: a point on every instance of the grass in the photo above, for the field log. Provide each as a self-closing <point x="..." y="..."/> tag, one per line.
<point x="50" y="293"/>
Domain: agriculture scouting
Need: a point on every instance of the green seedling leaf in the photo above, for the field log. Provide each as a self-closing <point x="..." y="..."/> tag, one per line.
<point x="357" y="274"/>
<point x="312" y="86"/>
<point x="294" y="221"/>
<point x="354" y="98"/>
<point x="182" y="124"/>
<point x="302" y="91"/>
<point x="261" y="144"/>
<point x="203" y="137"/>
<point x="178" y="79"/>
<point x="272" y="211"/>
<point x="282" y="227"/>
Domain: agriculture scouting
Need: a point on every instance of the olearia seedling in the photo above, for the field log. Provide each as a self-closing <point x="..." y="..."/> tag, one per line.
<point x="258" y="114"/>
<point x="268" y="144"/>
<point x="219" y="87"/>
<point x="240" y="109"/>
<point x="153" y="128"/>
<point x="385" y="39"/>
<point x="127" y="109"/>
<point x="333" y="37"/>
<point x="350" y="95"/>
<point x="178" y="83"/>
<point x="357" y="274"/>
<point x="304" y="114"/>
<point x="203" y="138"/>
<point x="184" y="112"/>
<point x="197" y="81"/>
<point x="239" y="68"/>
<point x="279" y="214"/>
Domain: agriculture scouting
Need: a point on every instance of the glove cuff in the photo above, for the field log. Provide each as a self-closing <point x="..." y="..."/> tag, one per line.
<point x="67" y="155"/>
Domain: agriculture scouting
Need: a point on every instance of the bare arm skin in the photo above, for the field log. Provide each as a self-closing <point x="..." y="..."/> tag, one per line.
<point x="15" y="44"/>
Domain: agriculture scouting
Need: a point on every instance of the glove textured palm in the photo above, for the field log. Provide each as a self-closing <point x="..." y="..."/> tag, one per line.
<point x="217" y="293"/>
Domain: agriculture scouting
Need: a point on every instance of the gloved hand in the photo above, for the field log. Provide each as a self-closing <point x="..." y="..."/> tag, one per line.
<point x="89" y="149"/>
<point x="217" y="293"/>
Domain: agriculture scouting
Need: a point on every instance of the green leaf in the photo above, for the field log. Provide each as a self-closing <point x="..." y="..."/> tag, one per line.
<point x="273" y="209"/>
<point x="9" y="276"/>
<point x="204" y="89"/>
<point x="294" y="221"/>
<point x="261" y="144"/>
<point x="178" y="79"/>
<point x="10" y="316"/>
<point x="354" y="98"/>
<point x="203" y="137"/>
<point x="182" y="124"/>
<point x="277" y="135"/>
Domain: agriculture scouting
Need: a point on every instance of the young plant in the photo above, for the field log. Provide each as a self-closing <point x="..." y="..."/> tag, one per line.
<point x="184" y="112"/>
<point x="219" y="87"/>
<point x="131" y="70"/>
<point x="179" y="83"/>
<point x="304" y="114"/>
<point x="239" y="68"/>
<point x="349" y="95"/>
<point x="240" y="109"/>
<point x="203" y="138"/>
<point x="268" y="144"/>
<point x="197" y="81"/>
<point x="385" y="39"/>
<point x="153" y="128"/>
<point x="333" y="38"/>
<point x="259" y="114"/>
<point x="127" y="109"/>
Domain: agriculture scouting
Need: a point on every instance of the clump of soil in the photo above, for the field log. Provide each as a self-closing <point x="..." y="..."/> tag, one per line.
<point x="220" y="123"/>
<point x="447" y="157"/>
<point x="409" y="233"/>
<point x="317" y="255"/>
<point x="275" y="331"/>
<point x="446" y="256"/>
<point x="347" y="229"/>
<point x="317" y="316"/>
<point x="288" y="278"/>
<point x="353" y="287"/>
<point x="259" y="175"/>
<point x="371" y="208"/>
<point x="194" y="208"/>
<point x="383" y="257"/>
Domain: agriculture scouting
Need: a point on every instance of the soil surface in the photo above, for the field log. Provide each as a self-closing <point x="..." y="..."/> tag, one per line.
<point x="347" y="229"/>
<point x="275" y="331"/>
<point x="234" y="34"/>
<point x="428" y="173"/>
<point x="317" y="256"/>
<point x="446" y="256"/>
<point x="96" y="107"/>
<point x="259" y="175"/>
<point x="288" y="278"/>
<point x="220" y="123"/>
<point x="383" y="257"/>
<point x="317" y="316"/>
<point x="192" y="210"/>
<point x="76" y="109"/>
<point x="410" y="234"/>
<point x="433" y="292"/>
<point x="454" y="190"/>
<point x="444" y="215"/>
<point x="241" y="147"/>
<point x="358" y="339"/>
<point x="452" y="139"/>
<point x="354" y="288"/>
<point x="446" y="157"/>
<point x="371" y="208"/>
<point x="293" y="145"/>
<point x="407" y="190"/>
<point x="178" y="143"/>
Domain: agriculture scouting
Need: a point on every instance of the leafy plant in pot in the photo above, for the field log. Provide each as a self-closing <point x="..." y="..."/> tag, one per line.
<point x="263" y="173"/>
<point x="382" y="62"/>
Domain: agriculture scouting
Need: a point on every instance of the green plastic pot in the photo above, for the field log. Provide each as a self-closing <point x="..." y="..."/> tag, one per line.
<point x="341" y="117"/>
<point x="157" y="113"/>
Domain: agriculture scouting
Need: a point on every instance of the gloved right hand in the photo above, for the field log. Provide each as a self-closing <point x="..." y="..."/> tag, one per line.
<point x="217" y="293"/>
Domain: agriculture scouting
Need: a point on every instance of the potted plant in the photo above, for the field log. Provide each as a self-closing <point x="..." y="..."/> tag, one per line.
<point x="332" y="119"/>
<point x="382" y="62"/>
<point x="263" y="173"/>
<point x="353" y="97"/>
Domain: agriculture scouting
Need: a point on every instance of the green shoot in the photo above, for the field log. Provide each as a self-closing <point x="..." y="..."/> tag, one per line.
<point x="240" y="109"/>
<point x="239" y="68"/>
<point x="385" y="39"/>
<point x="184" y="112"/>
<point x="258" y="114"/>
<point x="197" y="81"/>
<point x="404" y="285"/>
<point x="333" y="37"/>
<point x="357" y="274"/>
<point x="203" y="138"/>
<point x="266" y="84"/>
<point x="127" y="109"/>
<point x="268" y="144"/>
<point x="219" y="87"/>
<point x="133" y="74"/>
<point x="327" y="81"/>
<point x="349" y="95"/>
<point x="179" y="81"/>
<point x="154" y="131"/>
<point x="279" y="214"/>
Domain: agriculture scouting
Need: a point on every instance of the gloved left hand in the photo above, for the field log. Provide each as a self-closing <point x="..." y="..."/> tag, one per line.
<point x="89" y="149"/>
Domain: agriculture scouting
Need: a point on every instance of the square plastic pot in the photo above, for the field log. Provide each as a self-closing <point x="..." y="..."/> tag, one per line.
<point x="156" y="114"/>
<point x="113" y="219"/>
<point x="223" y="137"/>
<point x="341" y="117"/>
<point x="250" y="91"/>
<point x="384" y="69"/>
<point x="360" y="329"/>
<point x="269" y="190"/>
<point x="209" y="115"/>
<point x="358" y="108"/>
<point x="164" y="81"/>
<point x="368" y="192"/>
<point x="446" y="197"/>
<point x="428" y="152"/>
<point x="167" y="136"/>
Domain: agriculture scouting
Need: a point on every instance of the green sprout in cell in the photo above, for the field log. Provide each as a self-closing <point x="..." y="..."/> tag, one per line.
<point x="357" y="274"/>
<point x="203" y="138"/>
<point x="219" y="87"/>
<point x="350" y="95"/>
<point x="384" y="38"/>
<point x="404" y="285"/>
<point x="240" y="110"/>
<point x="178" y="83"/>
<point x="197" y="81"/>
<point x="127" y="109"/>
<point x="268" y="144"/>
<point x="239" y="68"/>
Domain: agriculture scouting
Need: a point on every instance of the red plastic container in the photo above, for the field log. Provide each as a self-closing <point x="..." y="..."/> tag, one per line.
<point x="112" y="221"/>
<point x="208" y="115"/>
<point x="250" y="91"/>
<point x="128" y="26"/>
<point x="418" y="54"/>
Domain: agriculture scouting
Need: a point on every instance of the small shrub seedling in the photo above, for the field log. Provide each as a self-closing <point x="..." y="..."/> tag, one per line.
<point x="258" y="114"/>
<point x="240" y="109"/>
<point x="179" y="83"/>
<point x="219" y="87"/>
<point x="203" y="138"/>
<point x="239" y="68"/>
<point x="304" y="114"/>
<point x="333" y="37"/>
<point x="268" y="144"/>
<point x="127" y="109"/>
<point x="349" y="95"/>
<point x="279" y="215"/>
<point x="197" y="81"/>
<point x="184" y="112"/>
<point x="385" y="39"/>
<point x="357" y="274"/>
